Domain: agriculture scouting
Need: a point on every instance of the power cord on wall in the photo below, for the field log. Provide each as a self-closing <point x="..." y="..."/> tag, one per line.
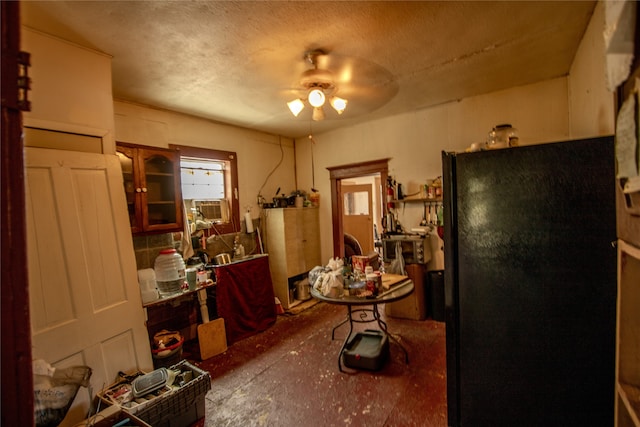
<point x="313" y="166"/>
<point x="260" y="198"/>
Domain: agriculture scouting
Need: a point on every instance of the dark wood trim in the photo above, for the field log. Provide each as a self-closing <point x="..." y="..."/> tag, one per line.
<point x="235" y="224"/>
<point x="17" y="389"/>
<point x="358" y="169"/>
<point x="336" y="174"/>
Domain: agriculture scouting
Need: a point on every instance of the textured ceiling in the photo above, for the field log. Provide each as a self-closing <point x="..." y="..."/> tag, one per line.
<point x="239" y="62"/>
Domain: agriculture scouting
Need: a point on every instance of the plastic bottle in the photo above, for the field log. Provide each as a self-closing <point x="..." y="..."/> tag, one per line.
<point x="372" y="283"/>
<point x="147" y="281"/>
<point x="248" y="221"/>
<point x="314" y="197"/>
<point x="390" y="193"/>
<point x="170" y="272"/>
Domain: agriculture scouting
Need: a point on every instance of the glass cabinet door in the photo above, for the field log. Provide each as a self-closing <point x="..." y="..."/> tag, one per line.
<point x="131" y="186"/>
<point x="160" y="181"/>
<point x="152" y="188"/>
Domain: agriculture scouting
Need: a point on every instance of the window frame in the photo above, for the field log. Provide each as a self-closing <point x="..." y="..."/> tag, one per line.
<point x="231" y="185"/>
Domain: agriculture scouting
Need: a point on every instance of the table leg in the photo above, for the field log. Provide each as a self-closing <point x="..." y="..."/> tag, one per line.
<point x="383" y="326"/>
<point x="346" y="340"/>
<point x="333" y="331"/>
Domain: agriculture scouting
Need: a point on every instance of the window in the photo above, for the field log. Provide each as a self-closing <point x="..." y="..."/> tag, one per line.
<point x="210" y="189"/>
<point x="202" y="179"/>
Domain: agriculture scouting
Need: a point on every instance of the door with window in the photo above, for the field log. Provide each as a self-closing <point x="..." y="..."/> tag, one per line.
<point x="358" y="214"/>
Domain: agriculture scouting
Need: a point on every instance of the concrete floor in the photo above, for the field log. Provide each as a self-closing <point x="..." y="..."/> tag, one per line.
<point x="288" y="376"/>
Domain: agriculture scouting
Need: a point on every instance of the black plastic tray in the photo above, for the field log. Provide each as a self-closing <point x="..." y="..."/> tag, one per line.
<point x="367" y="350"/>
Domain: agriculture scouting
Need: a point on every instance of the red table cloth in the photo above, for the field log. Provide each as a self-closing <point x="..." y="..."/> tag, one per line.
<point x="245" y="298"/>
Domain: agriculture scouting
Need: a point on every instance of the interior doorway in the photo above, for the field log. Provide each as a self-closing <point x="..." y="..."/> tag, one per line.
<point x="346" y="175"/>
<point x="359" y="211"/>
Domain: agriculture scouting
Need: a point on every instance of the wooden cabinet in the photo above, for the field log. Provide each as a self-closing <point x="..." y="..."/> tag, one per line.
<point x="628" y="337"/>
<point x="152" y="186"/>
<point x="293" y="244"/>
<point x="413" y="307"/>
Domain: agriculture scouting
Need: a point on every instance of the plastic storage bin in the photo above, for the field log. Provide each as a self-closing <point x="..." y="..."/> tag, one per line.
<point x="110" y="417"/>
<point x="171" y="406"/>
<point x="436" y="292"/>
<point x="182" y="407"/>
<point x="367" y="350"/>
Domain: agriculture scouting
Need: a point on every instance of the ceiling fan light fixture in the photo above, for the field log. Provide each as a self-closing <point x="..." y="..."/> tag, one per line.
<point x="318" y="114"/>
<point x="295" y="106"/>
<point x="316" y="97"/>
<point x="339" y="104"/>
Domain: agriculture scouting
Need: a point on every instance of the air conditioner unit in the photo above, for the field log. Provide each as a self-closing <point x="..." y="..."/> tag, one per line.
<point x="213" y="210"/>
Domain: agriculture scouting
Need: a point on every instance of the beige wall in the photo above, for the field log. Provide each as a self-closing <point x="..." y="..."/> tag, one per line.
<point x="564" y="108"/>
<point x="569" y="107"/>
<point x="591" y="105"/>
<point x="71" y="95"/>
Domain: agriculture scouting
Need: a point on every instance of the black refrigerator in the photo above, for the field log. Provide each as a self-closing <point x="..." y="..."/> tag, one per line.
<point x="530" y="285"/>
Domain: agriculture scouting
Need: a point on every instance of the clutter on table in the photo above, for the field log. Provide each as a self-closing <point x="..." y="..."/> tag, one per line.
<point x="342" y="278"/>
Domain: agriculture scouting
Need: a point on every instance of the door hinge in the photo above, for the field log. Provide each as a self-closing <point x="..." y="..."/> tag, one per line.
<point x="24" y="81"/>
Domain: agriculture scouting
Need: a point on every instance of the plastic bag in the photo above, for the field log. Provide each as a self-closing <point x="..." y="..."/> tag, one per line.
<point x="332" y="284"/>
<point x="397" y="265"/>
<point x="329" y="280"/>
<point x="54" y="390"/>
<point x="314" y="274"/>
<point x="335" y="264"/>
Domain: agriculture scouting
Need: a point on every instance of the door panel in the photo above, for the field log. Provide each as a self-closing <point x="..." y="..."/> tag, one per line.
<point x="84" y="296"/>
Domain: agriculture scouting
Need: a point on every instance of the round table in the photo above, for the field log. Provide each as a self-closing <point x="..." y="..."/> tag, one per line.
<point x="356" y="305"/>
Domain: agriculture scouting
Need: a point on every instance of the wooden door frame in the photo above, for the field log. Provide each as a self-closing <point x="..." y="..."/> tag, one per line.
<point x="338" y="173"/>
<point x="17" y="389"/>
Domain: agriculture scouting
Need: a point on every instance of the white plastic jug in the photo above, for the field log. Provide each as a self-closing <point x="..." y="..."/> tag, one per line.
<point x="170" y="272"/>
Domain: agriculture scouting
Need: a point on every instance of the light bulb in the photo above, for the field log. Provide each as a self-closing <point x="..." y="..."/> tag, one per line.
<point x="295" y="106"/>
<point x="316" y="98"/>
<point x="338" y="104"/>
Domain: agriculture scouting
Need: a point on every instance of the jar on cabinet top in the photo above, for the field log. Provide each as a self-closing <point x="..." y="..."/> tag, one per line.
<point x="502" y="136"/>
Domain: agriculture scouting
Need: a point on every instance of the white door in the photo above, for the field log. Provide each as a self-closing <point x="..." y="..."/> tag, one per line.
<point x="84" y="296"/>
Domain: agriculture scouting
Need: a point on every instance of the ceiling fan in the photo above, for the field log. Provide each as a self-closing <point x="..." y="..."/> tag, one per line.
<point x="319" y="85"/>
<point x="360" y="84"/>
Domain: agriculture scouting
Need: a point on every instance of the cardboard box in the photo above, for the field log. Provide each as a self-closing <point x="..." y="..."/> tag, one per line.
<point x="359" y="262"/>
